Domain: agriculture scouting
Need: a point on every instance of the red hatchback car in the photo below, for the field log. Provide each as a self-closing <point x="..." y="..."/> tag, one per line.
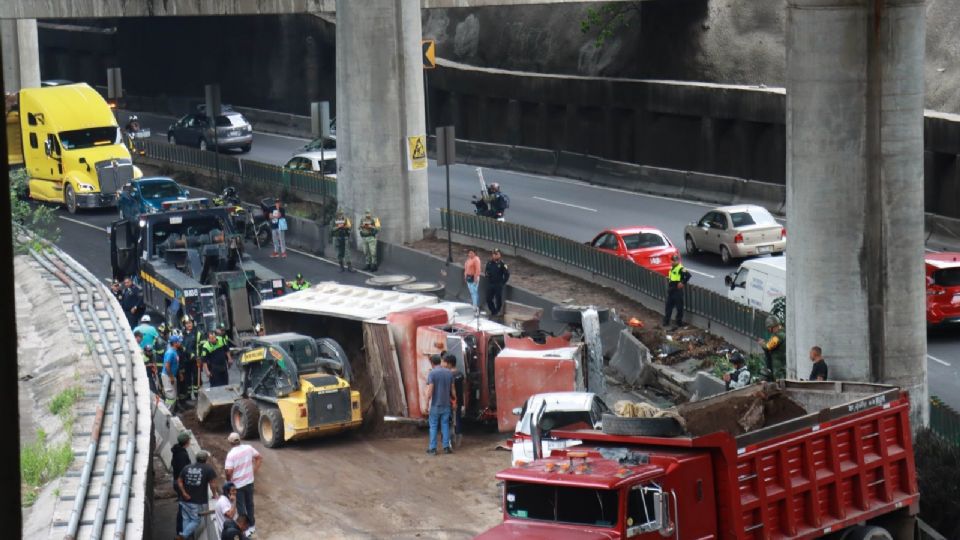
<point x="646" y="246"/>
<point x="943" y="287"/>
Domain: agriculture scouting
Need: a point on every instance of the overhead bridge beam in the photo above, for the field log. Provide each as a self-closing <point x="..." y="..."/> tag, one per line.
<point x="93" y="9"/>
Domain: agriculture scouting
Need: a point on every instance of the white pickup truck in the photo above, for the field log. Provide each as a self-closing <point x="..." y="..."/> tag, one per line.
<point x="573" y="410"/>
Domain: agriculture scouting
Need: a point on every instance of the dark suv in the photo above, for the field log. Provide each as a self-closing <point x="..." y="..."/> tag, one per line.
<point x="233" y="131"/>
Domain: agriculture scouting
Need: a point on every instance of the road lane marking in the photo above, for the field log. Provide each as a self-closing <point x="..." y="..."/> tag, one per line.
<point x="84" y="223"/>
<point x="937" y="360"/>
<point x="565" y="204"/>
<point x="711" y="276"/>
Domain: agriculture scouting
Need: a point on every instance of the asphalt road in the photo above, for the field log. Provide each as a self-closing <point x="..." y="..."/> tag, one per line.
<point x="562" y="206"/>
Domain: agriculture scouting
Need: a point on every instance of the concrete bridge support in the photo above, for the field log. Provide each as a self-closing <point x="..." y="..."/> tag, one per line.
<point x="21" y="54"/>
<point x="855" y="274"/>
<point x="379" y="105"/>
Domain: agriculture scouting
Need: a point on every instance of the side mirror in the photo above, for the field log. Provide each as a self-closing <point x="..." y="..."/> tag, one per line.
<point x="517" y="411"/>
<point x="661" y="509"/>
<point x="728" y="280"/>
<point x="47" y="147"/>
<point x="84" y="161"/>
<point x="186" y="193"/>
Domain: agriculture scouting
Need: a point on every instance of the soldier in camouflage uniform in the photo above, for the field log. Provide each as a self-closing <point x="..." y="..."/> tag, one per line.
<point x="369" y="228"/>
<point x="341" y="237"/>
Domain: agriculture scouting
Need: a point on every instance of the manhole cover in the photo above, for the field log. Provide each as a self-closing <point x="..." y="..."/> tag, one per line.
<point x="422" y="287"/>
<point x="390" y="280"/>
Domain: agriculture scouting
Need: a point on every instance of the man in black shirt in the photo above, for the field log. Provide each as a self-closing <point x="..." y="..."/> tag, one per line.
<point x="498" y="274"/>
<point x="213" y="352"/>
<point x="819" y="371"/>
<point x="192" y="487"/>
<point x="450" y="362"/>
<point x="235" y="529"/>
<point x="179" y="458"/>
<point x="188" y="358"/>
<point x="131" y="300"/>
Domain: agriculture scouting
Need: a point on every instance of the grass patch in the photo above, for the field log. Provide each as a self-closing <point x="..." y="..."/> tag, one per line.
<point x="40" y="462"/>
<point x="64" y="401"/>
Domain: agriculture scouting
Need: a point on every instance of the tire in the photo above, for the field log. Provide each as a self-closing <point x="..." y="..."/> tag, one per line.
<point x="571" y="314"/>
<point x="725" y="257"/>
<point x="202" y="145"/>
<point x="70" y="199"/>
<point x="263" y="236"/>
<point x="650" y="427"/>
<point x="691" y="246"/>
<point x="271" y="428"/>
<point x="171" y="138"/>
<point x="244" y="417"/>
<point x="867" y="532"/>
<point x="246" y="148"/>
<point x="779" y="253"/>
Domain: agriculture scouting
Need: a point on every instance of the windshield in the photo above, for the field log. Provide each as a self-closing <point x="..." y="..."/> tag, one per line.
<point x="330" y="166"/>
<point x="304" y="354"/>
<point x="753" y="217"/>
<point x="159" y="190"/>
<point x="188" y="232"/>
<point x="948" y="277"/>
<point x="566" y="419"/>
<point x="316" y="144"/>
<point x="87" y="138"/>
<point x="231" y="120"/>
<point x="643" y="240"/>
<point x="582" y="506"/>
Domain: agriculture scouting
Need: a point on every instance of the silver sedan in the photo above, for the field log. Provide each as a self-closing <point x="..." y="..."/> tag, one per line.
<point x="736" y="232"/>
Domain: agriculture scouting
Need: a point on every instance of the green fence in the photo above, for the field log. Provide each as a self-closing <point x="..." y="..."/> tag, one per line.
<point x="706" y="303"/>
<point x="944" y="420"/>
<point x="249" y="171"/>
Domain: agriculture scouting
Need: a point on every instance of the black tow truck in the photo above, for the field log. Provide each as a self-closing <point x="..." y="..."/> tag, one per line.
<point x="190" y="261"/>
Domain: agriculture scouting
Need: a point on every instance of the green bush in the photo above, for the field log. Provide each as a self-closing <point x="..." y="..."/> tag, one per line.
<point x="42" y="461"/>
<point x="64" y="401"/>
<point x="38" y="218"/>
<point x="938" y="476"/>
<point x="721" y="366"/>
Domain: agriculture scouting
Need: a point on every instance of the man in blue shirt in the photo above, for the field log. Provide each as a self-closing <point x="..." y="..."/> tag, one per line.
<point x="148" y="332"/>
<point x="171" y="363"/>
<point x="439" y="385"/>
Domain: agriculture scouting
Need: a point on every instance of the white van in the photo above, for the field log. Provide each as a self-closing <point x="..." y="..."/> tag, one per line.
<point x="758" y="282"/>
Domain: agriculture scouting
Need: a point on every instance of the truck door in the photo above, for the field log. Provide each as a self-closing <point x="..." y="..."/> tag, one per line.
<point x="123" y="247"/>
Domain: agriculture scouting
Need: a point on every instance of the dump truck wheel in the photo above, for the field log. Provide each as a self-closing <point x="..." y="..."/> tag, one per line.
<point x="572" y="314"/>
<point x="244" y="416"/>
<point x="867" y="532"/>
<point x="650" y="427"/>
<point x="271" y="428"/>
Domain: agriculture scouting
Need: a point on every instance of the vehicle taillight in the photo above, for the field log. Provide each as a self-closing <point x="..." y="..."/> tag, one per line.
<point x="783" y="232"/>
<point x="738" y="239"/>
<point x="935" y="291"/>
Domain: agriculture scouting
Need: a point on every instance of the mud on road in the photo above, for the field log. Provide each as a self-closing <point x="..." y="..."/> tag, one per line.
<point x="368" y="486"/>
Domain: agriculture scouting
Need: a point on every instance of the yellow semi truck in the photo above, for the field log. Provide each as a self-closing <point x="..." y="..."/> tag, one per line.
<point x="72" y="147"/>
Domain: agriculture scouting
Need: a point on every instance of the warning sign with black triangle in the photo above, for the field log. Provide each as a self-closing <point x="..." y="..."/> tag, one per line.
<point x="417" y="152"/>
<point x="429" y="48"/>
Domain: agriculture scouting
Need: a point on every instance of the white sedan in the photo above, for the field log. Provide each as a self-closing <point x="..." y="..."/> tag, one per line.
<point x="325" y="161"/>
<point x="736" y="232"/>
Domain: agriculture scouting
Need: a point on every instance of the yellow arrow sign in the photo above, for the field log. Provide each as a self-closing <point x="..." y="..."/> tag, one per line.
<point x="429" y="47"/>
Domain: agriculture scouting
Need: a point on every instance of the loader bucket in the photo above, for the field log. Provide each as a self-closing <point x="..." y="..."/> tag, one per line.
<point x="213" y="404"/>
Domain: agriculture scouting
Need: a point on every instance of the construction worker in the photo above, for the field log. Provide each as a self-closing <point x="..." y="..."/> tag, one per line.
<point x="213" y="354"/>
<point x="148" y="332"/>
<point x="341" y="236"/>
<point x="740" y="376"/>
<point x="299" y="284"/>
<point x="171" y="367"/>
<point x="677" y="278"/>
<point x="369" y="228"/>
<point x="775" y="350"/>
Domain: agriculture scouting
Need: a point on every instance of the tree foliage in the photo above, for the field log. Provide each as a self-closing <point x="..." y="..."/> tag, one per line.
<point x="938" y="477"/>
<point x="608" y="19"/>
<point x="37" y="218"/>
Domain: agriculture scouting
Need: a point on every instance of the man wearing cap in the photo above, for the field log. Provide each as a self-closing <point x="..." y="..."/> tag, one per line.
<point x="369" y="228"/>
<point x="179" y="458"/>
<point x="740" y="376"/>
<point x="148" y="332"/>
<point x="171" y="365"/>
<point x="677" y="279"/>
<point x="299" y="284"/>
<point x="498" y="274"/>
<point x="242" y="463"/>
<point x="341" y="236"/>
<point x="192" y="487"/>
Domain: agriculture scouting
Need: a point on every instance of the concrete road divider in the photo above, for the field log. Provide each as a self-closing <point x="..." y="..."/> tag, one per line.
<point x="579" y="166"/>
<point x="710" y="188"/>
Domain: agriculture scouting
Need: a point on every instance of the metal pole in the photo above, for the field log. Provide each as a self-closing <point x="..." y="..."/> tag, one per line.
<point x="449" y="241"/>
<point x="216" y="151"/>
<point x="426" y="99"/>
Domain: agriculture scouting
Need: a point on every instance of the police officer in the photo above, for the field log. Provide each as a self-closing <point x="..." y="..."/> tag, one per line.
<point x="498" y="202"/>
<point x="213" y="353"/>
<point x="369" y="228"/>
<point x="775" y="350"/>
<point x="498" y="273"/>
<point x="341" y="236"/>
<point x="131" y="301"/>
<point x="299" y="284"/>
<point x="188" y="358"/>
<point x="677" y="278"/>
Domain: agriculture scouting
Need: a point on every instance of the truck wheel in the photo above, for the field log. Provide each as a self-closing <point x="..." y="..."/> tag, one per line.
<point x="244" y="416"/>
<point x="70" y="199"/>
<point x="271" y="428"/>
<point x="867" y="532"/>
<point x="571" y="314"/>
<point x="650" y="427"/>
<point x="246" y="148"/>
<point x="263" y="236"/>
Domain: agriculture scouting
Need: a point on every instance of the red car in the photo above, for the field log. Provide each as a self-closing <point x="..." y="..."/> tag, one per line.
<point x="646" y="246"/>
<point x="943" y="287"/>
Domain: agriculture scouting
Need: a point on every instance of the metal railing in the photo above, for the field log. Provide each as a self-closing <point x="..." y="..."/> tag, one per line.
<point x="704" y="302"/>
<point x="944" y="421"/>
<point x="247" y="170"/>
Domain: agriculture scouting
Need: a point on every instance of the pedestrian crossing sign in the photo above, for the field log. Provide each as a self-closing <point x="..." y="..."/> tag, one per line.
<point x="417" y="152"/>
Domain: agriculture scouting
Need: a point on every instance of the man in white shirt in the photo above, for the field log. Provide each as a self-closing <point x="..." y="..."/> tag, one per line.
<point x="242" y="463"/>
<point x="226" y="507"/>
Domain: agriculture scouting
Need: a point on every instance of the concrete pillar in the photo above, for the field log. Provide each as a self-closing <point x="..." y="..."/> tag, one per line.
<point x="21" y="54"/>
<point x="380" y="105"/>
<point x="855" y="277"/>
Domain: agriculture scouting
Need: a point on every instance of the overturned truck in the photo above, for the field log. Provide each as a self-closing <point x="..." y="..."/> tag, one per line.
<point x="389" y="337"/>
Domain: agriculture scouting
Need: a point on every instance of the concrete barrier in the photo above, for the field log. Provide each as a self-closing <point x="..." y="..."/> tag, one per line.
<point x="710" y="188"/>
<point x="770" y="196"/>
<point x="663" y="182"/>
<point x="579" y="166"/>
<point x="533" y="160"/>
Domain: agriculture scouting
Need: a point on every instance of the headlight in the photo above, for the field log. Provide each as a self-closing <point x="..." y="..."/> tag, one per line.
<point x="152" y="209"/>
<point x="85" y="187"/>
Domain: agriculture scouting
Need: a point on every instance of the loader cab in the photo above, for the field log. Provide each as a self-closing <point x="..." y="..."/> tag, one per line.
<point x="273" y="365"/>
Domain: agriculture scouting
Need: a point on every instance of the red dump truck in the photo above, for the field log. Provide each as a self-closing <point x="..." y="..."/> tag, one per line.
<point x="389" y="337"/>
<point x="794" y="460"/>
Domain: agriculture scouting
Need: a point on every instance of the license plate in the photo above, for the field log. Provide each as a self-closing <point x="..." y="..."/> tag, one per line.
<point x="654" y="260"/>
<point x="234" y="134"/>
<point x="764" y="249"/>
<point x="956" y="299"/>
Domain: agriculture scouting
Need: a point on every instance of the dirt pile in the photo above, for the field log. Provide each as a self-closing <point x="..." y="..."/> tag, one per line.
<point x="740" y="412"/>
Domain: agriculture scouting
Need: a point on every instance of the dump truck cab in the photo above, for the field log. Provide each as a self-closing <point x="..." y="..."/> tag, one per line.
<point x="292" y="387"/>
<point x="191" y="262"/>
<point x="72" y="147"/>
